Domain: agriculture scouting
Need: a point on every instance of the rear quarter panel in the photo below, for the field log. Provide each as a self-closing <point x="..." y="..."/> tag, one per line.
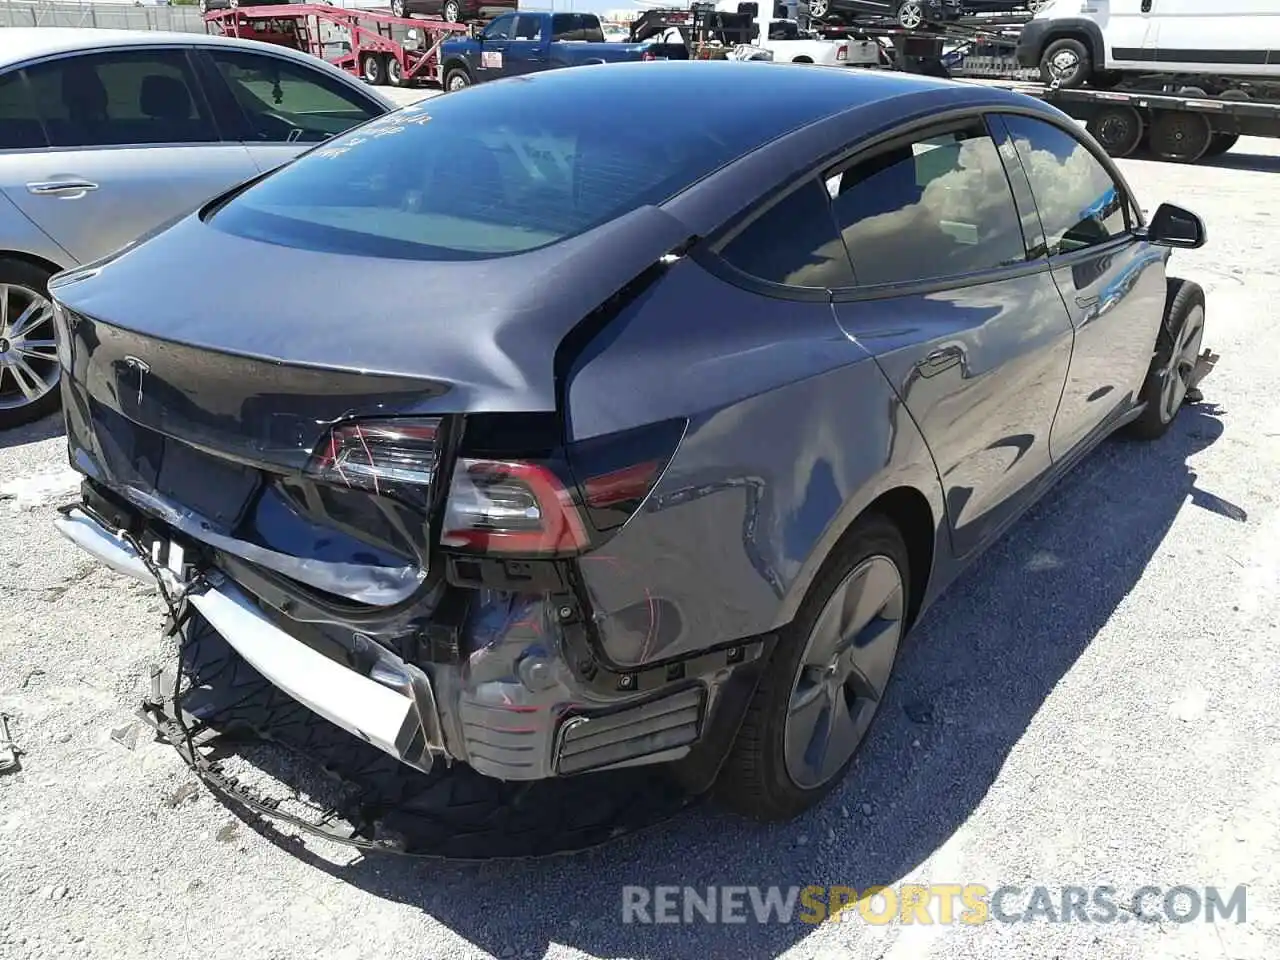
<point x="793" y="431"/>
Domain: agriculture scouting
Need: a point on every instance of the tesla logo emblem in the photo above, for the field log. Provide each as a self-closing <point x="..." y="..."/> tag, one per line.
<point x="143" y="369"/>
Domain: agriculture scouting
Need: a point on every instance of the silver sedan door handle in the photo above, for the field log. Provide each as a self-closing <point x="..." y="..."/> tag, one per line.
<point x="57" y="188"/>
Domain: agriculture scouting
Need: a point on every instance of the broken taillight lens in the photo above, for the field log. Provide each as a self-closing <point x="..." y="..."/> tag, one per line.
<point x="559" y="505"/>
<point x="385" y="457"/>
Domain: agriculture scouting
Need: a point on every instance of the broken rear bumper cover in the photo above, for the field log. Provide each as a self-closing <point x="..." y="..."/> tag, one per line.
<point x="511" y="706"/>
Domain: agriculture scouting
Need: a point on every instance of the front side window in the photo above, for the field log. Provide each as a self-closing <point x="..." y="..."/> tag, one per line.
<point x="1080" y="204"/>
<point x="20" y="127"/>
<point x="500" y="29"/>
<point x="793" y="243"/>
<point x="938" y="206"/>
<point x="528" y="28"/>
<point x="129" y="97"/>
<point x="285" y="102"/>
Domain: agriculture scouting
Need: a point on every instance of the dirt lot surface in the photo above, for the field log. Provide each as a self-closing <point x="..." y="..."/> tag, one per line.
<point x="1094" y="703"/>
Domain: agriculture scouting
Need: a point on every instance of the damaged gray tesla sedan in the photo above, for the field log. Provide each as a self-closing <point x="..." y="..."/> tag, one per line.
<point x="549" y="437"/>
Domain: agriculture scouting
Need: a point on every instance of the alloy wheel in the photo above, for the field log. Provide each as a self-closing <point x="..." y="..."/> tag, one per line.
<point x="911" y="15"/>
<point x="1182" y="360"/>
<point x="818" y="9"/>
<point x="397" y="8"/>
<point x="28" y="350"/>
<point x="843" y="672"/>
<point x="452" y="12"/>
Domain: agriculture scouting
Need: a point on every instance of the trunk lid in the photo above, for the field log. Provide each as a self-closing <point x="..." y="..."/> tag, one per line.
<point x="202" y="399"/>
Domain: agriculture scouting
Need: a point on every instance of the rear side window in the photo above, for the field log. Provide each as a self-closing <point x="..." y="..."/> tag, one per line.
<point x="127" y="97"/>
<point x="939" y="206"/>
<point x="576" y="26"/>
<point x="20" y="127"/>
<point x="495" y="171"/>
<point x="794" y="243"/>
<point x="1080" y="204"/>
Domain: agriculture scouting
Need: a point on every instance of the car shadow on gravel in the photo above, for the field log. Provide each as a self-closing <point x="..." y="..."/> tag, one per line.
<point x="976" y="671"/>
<point x="45" y="428"/>
<point x="1259" y="162"/>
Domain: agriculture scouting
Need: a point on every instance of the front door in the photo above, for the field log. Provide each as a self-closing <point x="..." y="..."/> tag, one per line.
<point x="491" y="63"/>
<point x="1128" y="31"/>
<point x="132" y="145"/>
<point x="278" y="107"/>
<point x="961" y="315"/>
<point x="1112" y="284"/>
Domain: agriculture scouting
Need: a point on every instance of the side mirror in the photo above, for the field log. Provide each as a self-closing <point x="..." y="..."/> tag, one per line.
<point x="1173" y="226"/>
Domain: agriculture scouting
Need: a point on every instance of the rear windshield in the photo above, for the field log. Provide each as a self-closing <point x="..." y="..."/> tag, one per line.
<point x="499" y="169"/>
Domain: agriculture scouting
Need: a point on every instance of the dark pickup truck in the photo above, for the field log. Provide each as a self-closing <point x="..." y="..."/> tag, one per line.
<point x="526" y="42"/>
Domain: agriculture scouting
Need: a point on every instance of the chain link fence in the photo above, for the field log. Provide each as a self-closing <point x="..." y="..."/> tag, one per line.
<point x="113" y="16"/>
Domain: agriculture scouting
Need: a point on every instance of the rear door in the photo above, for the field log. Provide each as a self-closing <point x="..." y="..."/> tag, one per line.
<point x="527" y="50"/>
<point x="955" y="300"/>
<point x="132" y="144"/>
<point x="1112" y="283"/>
<point x="278" y="107"/>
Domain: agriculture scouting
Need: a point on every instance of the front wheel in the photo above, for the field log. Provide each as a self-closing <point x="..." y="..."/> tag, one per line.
<point x="829" y="672"/>
<point x="1067" y="63"/>
<point x="397" y="8"/>
<point x="818" y="9"/>
<point x="1177" y="349"/>
<point x="452" y="11"/>
<point x="28" y="350"/>
<point x="456" y="78"/>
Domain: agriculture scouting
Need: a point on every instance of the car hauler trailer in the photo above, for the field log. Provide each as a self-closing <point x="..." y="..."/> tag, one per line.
<point x="1172" y="117"/>
<point x="381" y="48"/>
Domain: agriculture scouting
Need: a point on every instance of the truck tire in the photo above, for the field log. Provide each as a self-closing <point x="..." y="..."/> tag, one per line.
<point x="1221" y="143"/>
<point x="374" y="69"/>
<point x="457" y="78"/>
<point x="1180" y="135"/>
<point x="1178" y="344"/>
<point x="1068" y="62"/>
<point x="1118" y="129"/>
<point x="395" y="73"/>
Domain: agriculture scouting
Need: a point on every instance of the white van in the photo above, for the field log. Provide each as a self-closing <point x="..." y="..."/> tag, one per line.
<point x="1098" y="41"/>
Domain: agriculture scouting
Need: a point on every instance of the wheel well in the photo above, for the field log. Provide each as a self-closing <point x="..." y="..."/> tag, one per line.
<point x="450" y="65"/>
<point x="908" y="510"/>
<point x="803" y="60"/>
<point x="30" y="258"/>
<point x="1075" y="33"/>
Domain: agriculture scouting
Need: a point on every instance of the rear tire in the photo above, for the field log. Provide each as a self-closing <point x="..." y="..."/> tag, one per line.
<point x="1177" y="346"/>
<point x="861" y="594"/>
<point x="1180" y="135"/>
<point x="1221" y="143"/>
<point x="395" y="73"/>
<point x="1068" y="62"/>
<point x="911" y="15"/>
<point x="1118" y="129"/>
<point x="29" y="371"/>
<point x="452" y="11"/>
<point x="374" y="69"/>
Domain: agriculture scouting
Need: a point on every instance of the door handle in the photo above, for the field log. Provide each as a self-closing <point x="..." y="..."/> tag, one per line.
<point x="938" y="361"/>
<point x="55" y="188"/>
<point x="1084" y="303"/>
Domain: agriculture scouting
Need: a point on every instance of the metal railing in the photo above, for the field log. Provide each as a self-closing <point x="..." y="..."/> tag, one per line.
<point x="113" y="16"/>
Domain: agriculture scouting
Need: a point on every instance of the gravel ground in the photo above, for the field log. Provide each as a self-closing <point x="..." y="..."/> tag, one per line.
<point x="1093" y="703"/>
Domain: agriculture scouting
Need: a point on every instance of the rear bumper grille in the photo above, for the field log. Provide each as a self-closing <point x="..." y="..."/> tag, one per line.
<point x="651" y="732"/>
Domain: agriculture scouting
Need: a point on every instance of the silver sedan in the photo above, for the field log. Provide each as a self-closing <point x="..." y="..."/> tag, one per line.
<point x="107" y="134"/>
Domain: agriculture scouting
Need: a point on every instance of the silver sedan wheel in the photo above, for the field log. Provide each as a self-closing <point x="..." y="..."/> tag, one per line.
<point x="843" y="672"/>
<point x="818" y="9"/>
<point x="28" y="350"/>
<point x="911" y="15"/>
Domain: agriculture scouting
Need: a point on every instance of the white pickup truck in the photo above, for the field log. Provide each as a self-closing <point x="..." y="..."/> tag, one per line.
<point x="789" y="44"/>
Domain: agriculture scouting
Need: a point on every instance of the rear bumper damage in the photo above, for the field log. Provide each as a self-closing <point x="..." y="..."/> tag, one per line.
<point x="511" y="688"/>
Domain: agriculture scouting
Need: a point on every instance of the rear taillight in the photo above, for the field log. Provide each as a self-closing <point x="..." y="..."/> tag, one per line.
<point x="842" y="53"/>
<point x="559" y="505"/>
<point x="386" y="457"/>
